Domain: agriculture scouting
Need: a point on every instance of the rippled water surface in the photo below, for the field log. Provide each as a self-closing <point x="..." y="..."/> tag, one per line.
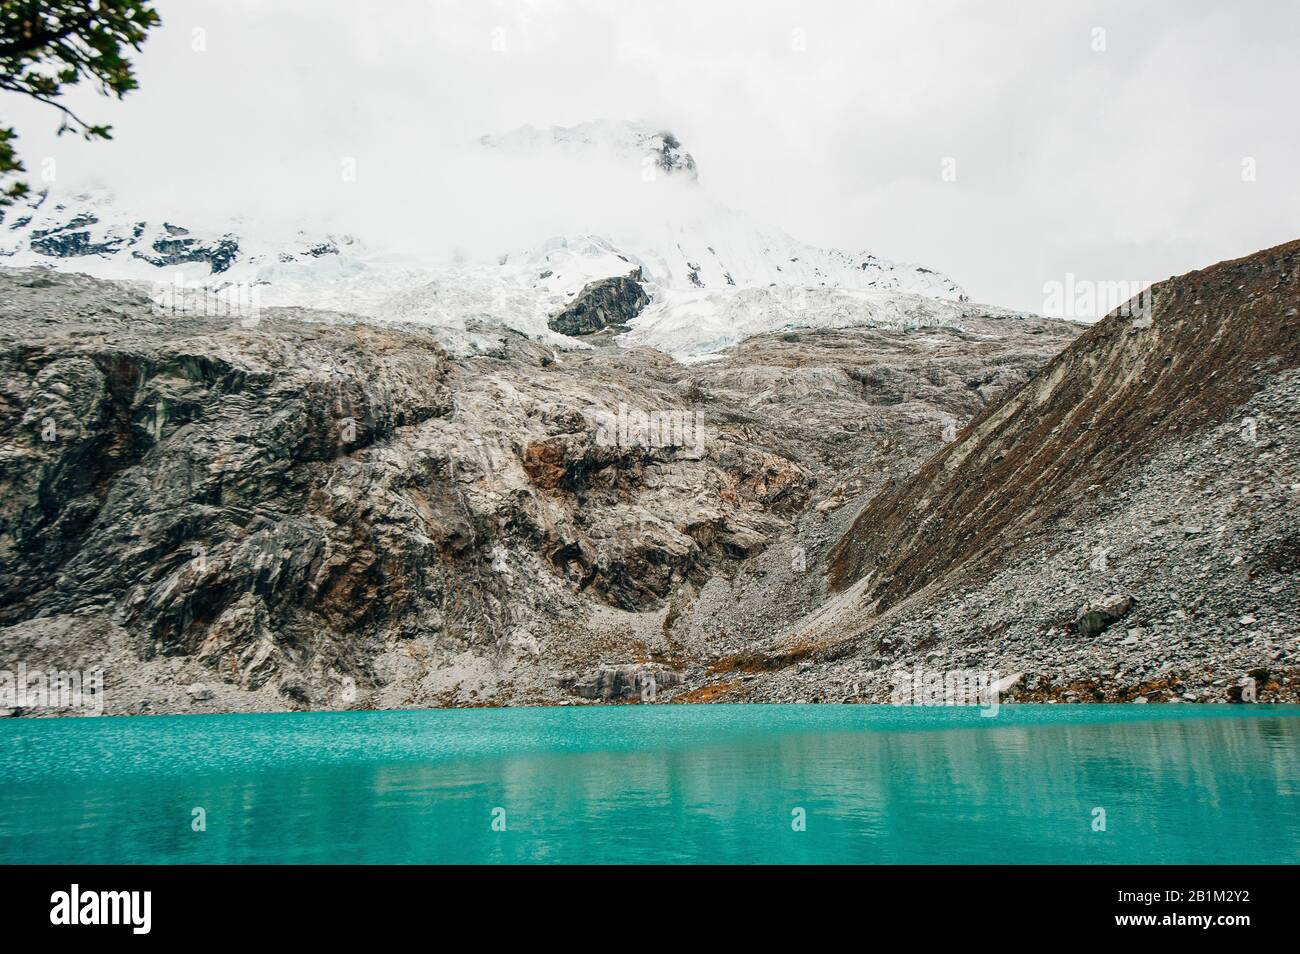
<point x="658" y="784"/>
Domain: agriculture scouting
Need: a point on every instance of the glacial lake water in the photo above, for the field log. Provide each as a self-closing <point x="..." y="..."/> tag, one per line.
<point x="659" y="784"/>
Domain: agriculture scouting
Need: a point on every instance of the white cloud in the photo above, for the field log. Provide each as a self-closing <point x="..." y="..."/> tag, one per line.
<point x="1123" y="164"/>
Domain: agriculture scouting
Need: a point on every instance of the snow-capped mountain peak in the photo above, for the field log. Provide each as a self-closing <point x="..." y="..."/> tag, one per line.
<point x="712" y="276"/>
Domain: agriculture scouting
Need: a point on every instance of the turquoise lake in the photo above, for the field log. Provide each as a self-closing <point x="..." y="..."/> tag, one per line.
<point x="659" y="784"/>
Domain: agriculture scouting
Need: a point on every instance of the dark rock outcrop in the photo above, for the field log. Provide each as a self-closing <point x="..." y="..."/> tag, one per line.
<point x="601" y="304"/>
<point x="218" y="256"/>
<point x="671" y="157"/>
<point x="71" y="239"/>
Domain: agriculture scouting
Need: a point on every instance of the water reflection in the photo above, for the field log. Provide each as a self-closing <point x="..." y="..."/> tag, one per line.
<point x="1173" y="790"/>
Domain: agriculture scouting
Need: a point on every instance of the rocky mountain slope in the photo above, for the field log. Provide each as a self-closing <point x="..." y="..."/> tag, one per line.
<point x="300" y="509"/>
<point x="1123" y="527"/>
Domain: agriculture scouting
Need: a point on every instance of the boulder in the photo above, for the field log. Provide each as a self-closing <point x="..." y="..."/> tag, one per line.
<point x="1093" y="619"/>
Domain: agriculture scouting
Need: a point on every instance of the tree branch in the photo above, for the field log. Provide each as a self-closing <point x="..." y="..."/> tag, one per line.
<point x="86" y="127"/>
<point x="38" y="40"/>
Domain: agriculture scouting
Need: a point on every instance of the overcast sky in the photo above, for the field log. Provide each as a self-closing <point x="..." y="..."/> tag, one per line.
<point x="1115" y="156"/>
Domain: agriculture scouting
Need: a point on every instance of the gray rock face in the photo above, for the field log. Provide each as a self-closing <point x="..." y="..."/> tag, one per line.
<point x="197" y="482"/>
<point x="600" y="304"/>
<point x="306" y="511"/>
<point x="620" y="682"/>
